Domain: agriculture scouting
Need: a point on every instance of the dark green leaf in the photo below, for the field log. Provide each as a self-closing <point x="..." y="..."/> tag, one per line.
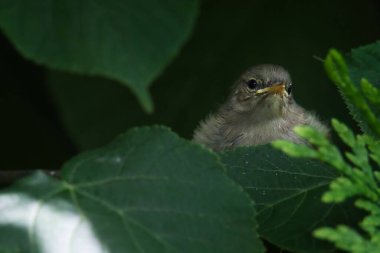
<point x="129" y="41"/>
<point x="148" y="191"/>
<point x="344" y="132"/>
<point x="287" y="193"/>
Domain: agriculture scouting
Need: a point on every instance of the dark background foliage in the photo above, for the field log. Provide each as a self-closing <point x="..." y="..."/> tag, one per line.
<point x="49" y="116"/>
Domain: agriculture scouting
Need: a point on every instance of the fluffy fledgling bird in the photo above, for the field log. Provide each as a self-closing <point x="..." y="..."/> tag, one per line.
<point x="260" y="109"/>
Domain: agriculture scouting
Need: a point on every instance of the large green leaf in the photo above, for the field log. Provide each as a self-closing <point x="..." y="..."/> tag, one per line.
<point x="130" y="41"/>
<point x="287" y="193"/>
<point x="148" y="191"/>
<point x="226" y="40"/>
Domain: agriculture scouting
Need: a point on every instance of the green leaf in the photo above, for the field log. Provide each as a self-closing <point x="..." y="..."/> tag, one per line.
<point x="129" y="41"/>
<point x="337" y="69"/>
<point x="338" y="72"/>
<point x="345" y="134"/>
<point x="287" y="194"/>
<point x="148" y="191"/>
<point x="368" y="206"/>
<point x="326" y="151"/>
<point x="346" y="238"/>
<point x="340" y="189"/>
<point x="370" y="91"/>
<point x="312" y="135"/>
<point x="374" y="147"/>
<point x="293" y="149"/>
<point x="362" y="62"/>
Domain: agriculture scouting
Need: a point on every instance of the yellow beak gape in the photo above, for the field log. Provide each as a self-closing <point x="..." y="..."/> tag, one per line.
<point x="275" y="89"/>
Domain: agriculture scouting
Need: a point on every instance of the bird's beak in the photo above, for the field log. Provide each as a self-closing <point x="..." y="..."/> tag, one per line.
<point x="274" y="89"/>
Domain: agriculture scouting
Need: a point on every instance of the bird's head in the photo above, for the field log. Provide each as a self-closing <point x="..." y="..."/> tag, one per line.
<point x="264" y="90"/>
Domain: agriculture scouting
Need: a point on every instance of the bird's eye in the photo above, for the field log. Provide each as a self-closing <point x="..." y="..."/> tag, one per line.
<point x="289" y="89"/>
<point x="252" y="84"/>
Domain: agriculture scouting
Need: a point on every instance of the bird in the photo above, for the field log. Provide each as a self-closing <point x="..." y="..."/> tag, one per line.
<point x="259" y="110"/>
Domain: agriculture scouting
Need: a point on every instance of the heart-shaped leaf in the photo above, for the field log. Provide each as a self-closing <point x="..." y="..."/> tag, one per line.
<point x="130" y="41"/>
<point x="148" y="191"/>
<point x="287" y="193"/>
